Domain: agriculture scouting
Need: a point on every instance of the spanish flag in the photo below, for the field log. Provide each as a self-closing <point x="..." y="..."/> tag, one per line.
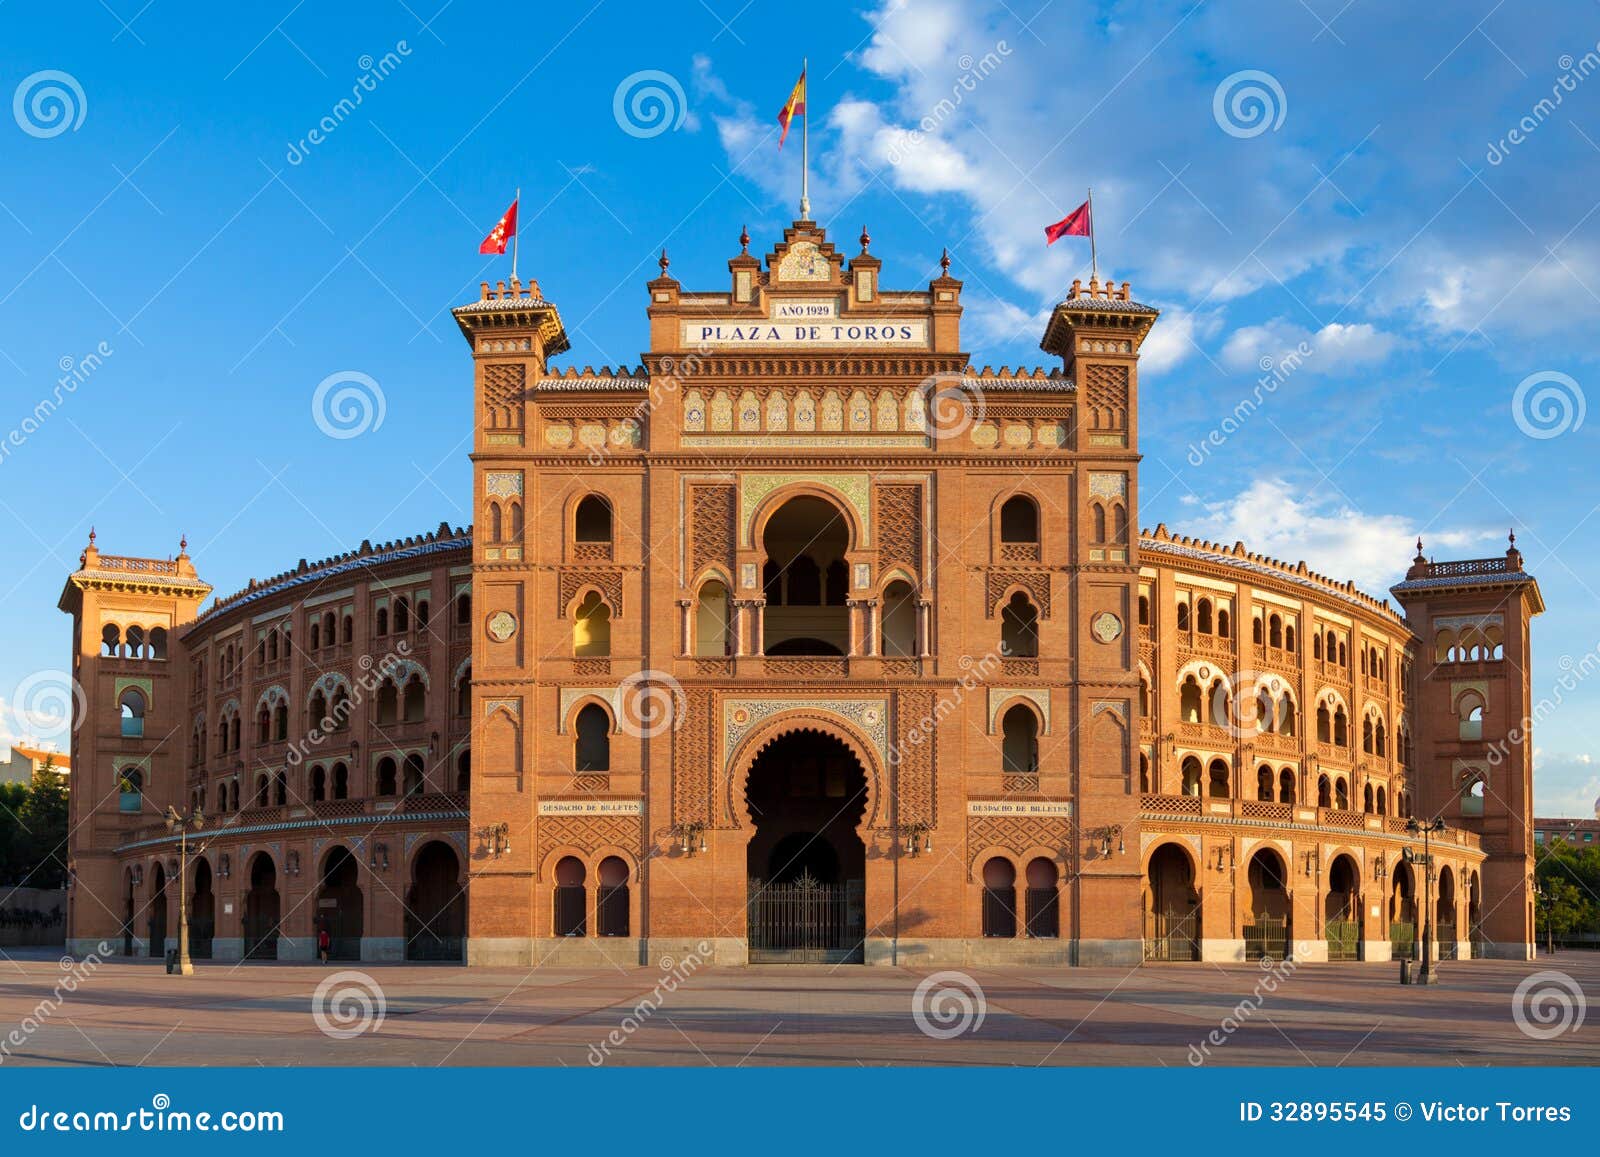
<point x="795" y="107"/>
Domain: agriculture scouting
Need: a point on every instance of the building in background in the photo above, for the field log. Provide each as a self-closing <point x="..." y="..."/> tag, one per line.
<point x="806" y="640"/>
<point x="19" y="764"/>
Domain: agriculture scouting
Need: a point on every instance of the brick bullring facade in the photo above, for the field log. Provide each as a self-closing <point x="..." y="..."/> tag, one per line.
<point x="805" y="640"/>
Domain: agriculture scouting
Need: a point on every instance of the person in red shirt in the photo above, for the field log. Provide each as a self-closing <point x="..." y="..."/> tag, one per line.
<point x="324" y="943"/>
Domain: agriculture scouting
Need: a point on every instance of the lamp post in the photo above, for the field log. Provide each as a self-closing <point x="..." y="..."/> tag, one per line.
<point x="182" y="824"/>
<point x="1414" y="826"/>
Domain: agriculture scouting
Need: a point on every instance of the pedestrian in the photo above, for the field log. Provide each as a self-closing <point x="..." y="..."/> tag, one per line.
<point x="324" y="943"/>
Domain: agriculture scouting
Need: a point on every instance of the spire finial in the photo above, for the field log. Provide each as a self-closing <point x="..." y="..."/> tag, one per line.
<point x="866" y="239"/>
<point x="91" y="536"/>
<point x="744" y="240"/>
<point x="1512" y="534"/>
<point x="944" y="263"/>
<point x="664" y="262"/>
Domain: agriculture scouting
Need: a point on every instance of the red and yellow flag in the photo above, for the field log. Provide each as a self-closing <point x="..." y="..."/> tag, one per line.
<point x="794" y="107"/>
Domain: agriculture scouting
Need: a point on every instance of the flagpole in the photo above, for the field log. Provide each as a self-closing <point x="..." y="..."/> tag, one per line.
<point x="1094" y="260"/>
<point x="516" y="236"/>
<point x="805" y="144"/>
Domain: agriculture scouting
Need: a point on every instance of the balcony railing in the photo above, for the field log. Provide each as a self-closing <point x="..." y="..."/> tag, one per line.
<point x="1262" y="811"/>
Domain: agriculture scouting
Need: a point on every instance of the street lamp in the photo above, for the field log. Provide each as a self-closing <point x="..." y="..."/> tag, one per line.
<point x="1415" y="826"/>
<point x="181" y="825"/>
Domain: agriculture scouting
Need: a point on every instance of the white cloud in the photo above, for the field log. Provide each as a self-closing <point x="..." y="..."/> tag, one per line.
<point x="1565" y="785"/>
<point x="1275" y="518"/>
<point x="1332" y="350"/>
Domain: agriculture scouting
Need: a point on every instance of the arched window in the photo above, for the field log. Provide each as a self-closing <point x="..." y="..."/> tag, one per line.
<point x="1218" y="787"/>
<point x="110" y="641"/>
<point x="712" y="615"/>
<point x="263" y="790"/>
<point x="280" y="788"/>
<point x="388" y="775"/>
<point x="464" y="693"/>
<point x="1324" y="724"/>
<point x="316" y="635"/>
<point x="1019" y="628"/>
<point x="1043" y="910"/>
<point x="1019" y="729"/>
<point x="1202" y="617"/>
<point x="1383" y="802"/>
<point x="1189" y="700"/>
<point x="571" y="898"/>
<point x="413" y="777"/>
<point x="593" y="744"/>
<point x="415" y="705"/>
<point x="1367" y="799"/>
<point x="592" y="521"/>
<point x="1257" y="636"/>
<point x="1144" y="610"/>
<point x="611" y="901"/>
<point x="464" y="608"/>
<point x="1119" y="522"/>
<point x="388" y="702"/>
<point x="999" y="898"/>
<point x="464" y="771"/>
<point x="1019" y="520"/>
<point x="1380" y="739"/>
<point x="1469" y="710"/>
<point x="1341" y="794"/>
<point x="424" y="612"/>
<point x="382" y="621"/>
<point x="130" y="789"/>
<point x="1316" y="646"/>
<point x="1341" y="728"/>
<point x="591" y="628"/>
<point x="1366" y="735"/>
<point x="1183" y="616"/>
<point x="1224" y="623"/>
<point x="497" y="523"/>
<point x="319" y="784"/>
<point x="1324" y="791"/>
<point x="233" y="733"/>
<point x="898" y="622"/>
<point x="1191" y="776"/>
<point x="402" y="615"/>
<point x="1286" y="716"/>
<point x="319" y="710"/>
<point x="1286" y="786"/>
<point x="349" y="633"/>
<point x="341" y="781"/>
<point x="1144" y="772"/>
<point x="1097" y="515"/>
<point x="1275" y="631"/>
<point x="280" y="722"/>
<point x="264" y="724"/>
<point x="330" y="629"/>
<point x="131" y="702"/>
<point x="1264" y="783"/>
<point x="1288" y="636"/>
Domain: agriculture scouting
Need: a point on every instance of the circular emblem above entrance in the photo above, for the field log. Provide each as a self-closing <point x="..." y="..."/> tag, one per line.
<point x="1106" y="627"/>
<point x="502" y="625"/>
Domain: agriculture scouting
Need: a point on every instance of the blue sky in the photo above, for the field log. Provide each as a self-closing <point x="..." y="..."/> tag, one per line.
<point x="1377" y="185"/>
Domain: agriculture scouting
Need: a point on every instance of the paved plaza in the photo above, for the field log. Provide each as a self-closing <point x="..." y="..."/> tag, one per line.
<point x="131" y="1013"/>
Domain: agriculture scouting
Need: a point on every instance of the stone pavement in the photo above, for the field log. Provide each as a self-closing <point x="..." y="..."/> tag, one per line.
<point x="130" y="1013"/>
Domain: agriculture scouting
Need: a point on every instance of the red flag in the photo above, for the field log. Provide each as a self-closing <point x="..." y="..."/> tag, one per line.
<point x="795" y="106"/>
<point x="1074" y="224"/>
<point x="505" y="229"/>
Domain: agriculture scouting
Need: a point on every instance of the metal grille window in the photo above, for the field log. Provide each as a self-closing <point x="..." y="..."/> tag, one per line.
<point x="611" y="910"/>
<point x="1044" y="914"/>
<point x="1000" y="912"/>
<point x="571" y="919"/>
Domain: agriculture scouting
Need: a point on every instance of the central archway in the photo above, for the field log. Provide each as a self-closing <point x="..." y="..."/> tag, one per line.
<point x="805" y="579"/>
<point x="806" y="794"/>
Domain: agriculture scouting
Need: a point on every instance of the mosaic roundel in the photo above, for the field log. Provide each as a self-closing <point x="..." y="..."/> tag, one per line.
<point x="1106" y="627"/>
<point x="502" y="625"/>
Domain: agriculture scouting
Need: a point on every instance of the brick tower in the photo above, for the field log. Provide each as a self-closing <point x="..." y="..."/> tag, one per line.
<point x="128" y="738"/>
<point x="1474" y="751"/>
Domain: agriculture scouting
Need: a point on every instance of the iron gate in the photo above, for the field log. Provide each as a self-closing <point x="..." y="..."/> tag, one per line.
<point x="1266" y="939"/>
<point x="1172" y="936"/>
<point x="1403" y="940"/>
<point x="1344" y="940"/>
<point x="806" y="922"/>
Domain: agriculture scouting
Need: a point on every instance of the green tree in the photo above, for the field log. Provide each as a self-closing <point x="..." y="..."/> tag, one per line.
<point x="44" y="820"/>
<point x="13" y="837"/>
